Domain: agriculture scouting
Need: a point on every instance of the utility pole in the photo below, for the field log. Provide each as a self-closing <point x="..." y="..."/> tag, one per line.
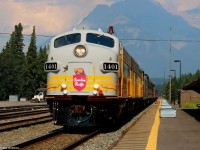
<point x="170" y="80"/>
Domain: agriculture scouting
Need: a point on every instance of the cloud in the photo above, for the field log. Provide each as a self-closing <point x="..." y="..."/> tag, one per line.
<point x="179" y="5"/>
<point x="121" y="20"/>
<point x="49" y="16"/>
<point x="184" y="8"/>
<point x="179" y="45"/>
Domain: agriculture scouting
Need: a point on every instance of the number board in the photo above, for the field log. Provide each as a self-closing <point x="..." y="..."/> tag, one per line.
<point x="50" y="66"/>
<point x="110" y="66"/>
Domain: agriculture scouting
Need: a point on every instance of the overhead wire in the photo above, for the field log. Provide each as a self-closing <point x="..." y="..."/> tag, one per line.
<point x="159" y="40"/>
<point x="28" y="34"/>
<point x="123" y="39"/>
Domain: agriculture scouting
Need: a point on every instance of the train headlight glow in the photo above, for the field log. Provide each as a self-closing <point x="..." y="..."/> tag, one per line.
<point x="64" y="86"/>
<point x="80" y="51"/>
<point x="96" y="86"/>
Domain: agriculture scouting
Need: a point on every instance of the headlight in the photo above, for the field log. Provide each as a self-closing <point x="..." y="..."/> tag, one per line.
<point x="80" y="51"/>
<point x="96" y="86"/>
<point x="63" y="85"/>
<point x="95" y="92"/>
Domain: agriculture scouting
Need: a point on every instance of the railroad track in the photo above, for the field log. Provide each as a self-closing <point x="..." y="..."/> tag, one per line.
<point x="21" y="113"/>
<point x="22" y="108"/>
<point x="57" y="139"/>
<point x="7" y="126"/>
<point x="68" y="140"/>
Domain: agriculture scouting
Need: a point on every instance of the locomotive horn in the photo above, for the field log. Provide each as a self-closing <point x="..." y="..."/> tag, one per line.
<point x="111" y="30"/>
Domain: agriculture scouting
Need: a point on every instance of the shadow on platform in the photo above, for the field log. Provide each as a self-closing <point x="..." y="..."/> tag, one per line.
<point x="195" y="113"/>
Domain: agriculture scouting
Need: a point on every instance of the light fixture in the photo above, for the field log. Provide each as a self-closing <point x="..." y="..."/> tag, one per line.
<point x="80" y="51"/>
<point x="96" y="86"/>
<point x="95" y="92"/>
<point x="65" y="92"/>
<point x="64" y="86"/>
<point x="100" y="92"/>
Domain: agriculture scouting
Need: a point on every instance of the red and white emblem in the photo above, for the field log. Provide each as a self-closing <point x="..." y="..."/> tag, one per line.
<point x="79" y="79"/>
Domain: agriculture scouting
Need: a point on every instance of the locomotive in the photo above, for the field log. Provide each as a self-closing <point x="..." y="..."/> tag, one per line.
<point x="92" y="79"/>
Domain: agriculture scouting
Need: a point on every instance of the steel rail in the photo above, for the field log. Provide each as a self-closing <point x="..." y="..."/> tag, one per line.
<point x="24" y="123"/>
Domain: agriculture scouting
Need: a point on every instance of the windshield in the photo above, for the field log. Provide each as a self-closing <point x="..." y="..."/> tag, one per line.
<point x="100" y="39"/>
<point x="67" y="39"/>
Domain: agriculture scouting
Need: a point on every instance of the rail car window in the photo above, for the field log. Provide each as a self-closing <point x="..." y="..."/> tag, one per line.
<point x="100" y="39"/>
<point x="67" y="39"/>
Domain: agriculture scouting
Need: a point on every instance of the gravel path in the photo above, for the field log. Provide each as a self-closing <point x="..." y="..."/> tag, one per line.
<point x="10" y="138"/>
<point x="102" y="142"/>
<point x="105" y="141"/>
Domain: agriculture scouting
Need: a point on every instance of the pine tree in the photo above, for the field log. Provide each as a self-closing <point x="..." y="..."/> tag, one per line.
<point x="13" y="60"/>
<point x="42" y="75"/>
<point x="31" y="67"/>
<point x="197" y="75"/>
<point x="6" y="59"/>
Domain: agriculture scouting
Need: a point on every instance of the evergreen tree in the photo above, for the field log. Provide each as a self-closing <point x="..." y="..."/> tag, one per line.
<point x="6" y="59"/>
<point x="166" y="91"/>
<point x="174" y="90"/>
<point x="42" y="75"/>
<point x="13" y="60"/>
<point x="31" y="67"/>
<point x="185" y="80"/>
<point x="197" y="75"/>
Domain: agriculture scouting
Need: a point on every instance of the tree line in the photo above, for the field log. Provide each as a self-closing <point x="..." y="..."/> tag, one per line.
<point x="21" y="73"/>
<point x="186" y="79"/>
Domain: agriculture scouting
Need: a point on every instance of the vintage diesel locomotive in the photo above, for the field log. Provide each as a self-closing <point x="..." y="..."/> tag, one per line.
<point x="92" y="79"/>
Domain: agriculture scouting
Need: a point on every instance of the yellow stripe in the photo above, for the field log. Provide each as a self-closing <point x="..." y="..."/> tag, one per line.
<point x="88" y="83"/>
<point x="106" y="83"/>
<point x="152" y="140"/>
<point x="60" y="77"/>
<point x="63" y="77"/>
<point x="58" y="88"/>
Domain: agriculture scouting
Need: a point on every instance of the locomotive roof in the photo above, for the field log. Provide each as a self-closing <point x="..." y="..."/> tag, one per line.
<point x="84" y="31"/>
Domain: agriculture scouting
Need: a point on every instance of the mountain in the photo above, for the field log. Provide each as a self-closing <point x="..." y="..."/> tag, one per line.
<point x="145" y="29"/>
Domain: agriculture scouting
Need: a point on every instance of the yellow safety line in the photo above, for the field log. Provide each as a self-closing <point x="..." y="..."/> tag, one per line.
<point x="152" y="140"/>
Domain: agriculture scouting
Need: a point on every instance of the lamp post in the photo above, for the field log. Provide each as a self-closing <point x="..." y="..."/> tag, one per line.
<point x="174" y="72"/>
<point x="173" y="89"/>
<point x="180" y="83"/>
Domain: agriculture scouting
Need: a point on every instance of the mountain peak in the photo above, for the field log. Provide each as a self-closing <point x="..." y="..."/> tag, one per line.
<point x="145" y="25"/>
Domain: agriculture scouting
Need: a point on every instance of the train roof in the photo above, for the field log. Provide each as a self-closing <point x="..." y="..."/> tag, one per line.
<point x="84" y="31"/>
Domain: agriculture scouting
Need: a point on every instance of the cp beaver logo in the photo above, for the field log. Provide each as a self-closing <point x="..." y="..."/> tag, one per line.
<point x="79" y="79"/>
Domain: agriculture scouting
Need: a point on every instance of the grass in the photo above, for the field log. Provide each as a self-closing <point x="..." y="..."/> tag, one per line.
<point x="190" y="105"/>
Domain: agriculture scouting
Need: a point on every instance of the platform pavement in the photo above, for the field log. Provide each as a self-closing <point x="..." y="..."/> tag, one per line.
<point x="179" y="133"/>
<point x="152" y="132"/>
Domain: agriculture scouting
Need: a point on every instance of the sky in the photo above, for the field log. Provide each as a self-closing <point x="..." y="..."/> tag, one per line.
<point x="49" y="16"/>
<point x="55" y="16"/>
<point x="52" y="17"/>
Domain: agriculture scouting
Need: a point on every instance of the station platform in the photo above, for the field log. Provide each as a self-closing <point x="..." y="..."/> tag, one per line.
<point x="152" y="132"/>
